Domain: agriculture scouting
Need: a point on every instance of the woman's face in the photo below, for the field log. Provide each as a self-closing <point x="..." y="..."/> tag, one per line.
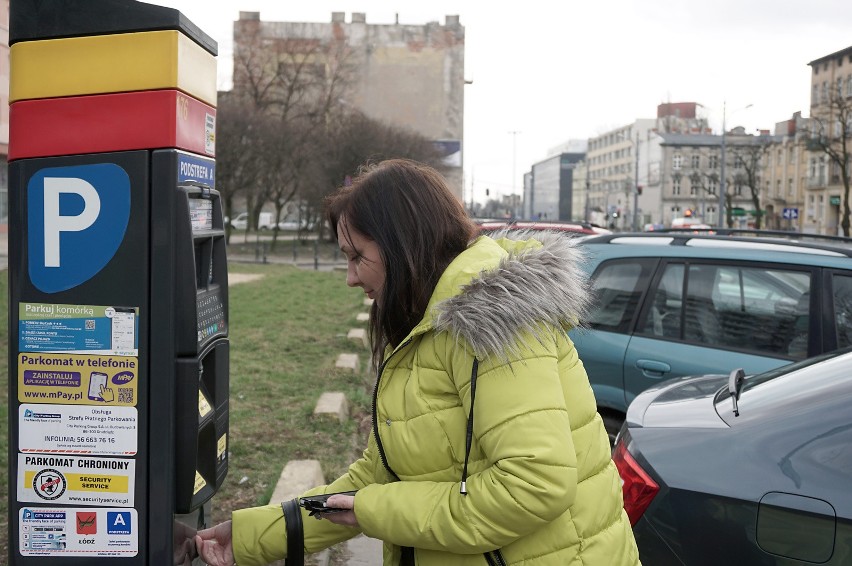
<point x="365" y="267"/>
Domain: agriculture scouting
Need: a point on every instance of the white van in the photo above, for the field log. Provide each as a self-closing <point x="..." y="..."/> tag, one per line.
<point x="265" y="221"/>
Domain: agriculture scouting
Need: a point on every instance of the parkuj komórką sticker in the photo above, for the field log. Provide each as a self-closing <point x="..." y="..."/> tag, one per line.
<point x="76" y="379"/>
<point x="81" y="329"/>
<point x="77" y="429"/>
<point x="78" y="531"/>
<point x="76" y="480"/>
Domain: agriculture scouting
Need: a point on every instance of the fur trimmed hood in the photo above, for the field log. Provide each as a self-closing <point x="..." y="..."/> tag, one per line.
<point x="509" y="284"/>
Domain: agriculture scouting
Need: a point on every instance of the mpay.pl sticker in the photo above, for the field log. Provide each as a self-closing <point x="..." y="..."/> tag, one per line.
<point x="77" y="379"/>
<point x="78" y="531"/>
<point x="76" y="480"/>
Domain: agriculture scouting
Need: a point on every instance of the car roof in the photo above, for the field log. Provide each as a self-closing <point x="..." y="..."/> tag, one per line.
<point x="763" y="247"/>
<point x="489" y="225"/>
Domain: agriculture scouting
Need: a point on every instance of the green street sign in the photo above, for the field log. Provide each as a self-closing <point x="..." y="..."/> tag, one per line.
<point x="737" y="211"/>
<point x="834" y="200"/>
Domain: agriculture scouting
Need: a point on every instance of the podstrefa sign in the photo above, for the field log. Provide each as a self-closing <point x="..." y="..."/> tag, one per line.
<point x="76" y="220"/>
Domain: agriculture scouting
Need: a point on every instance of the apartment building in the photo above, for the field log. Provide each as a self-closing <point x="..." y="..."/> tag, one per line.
<point x="826" y="193"/>
<point x="411" y="76"/>
<point x="785" y="176"/>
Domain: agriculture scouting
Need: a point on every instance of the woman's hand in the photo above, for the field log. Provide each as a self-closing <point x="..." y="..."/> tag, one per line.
<point x="214" y="545"/>
<point x="346" y="518"/>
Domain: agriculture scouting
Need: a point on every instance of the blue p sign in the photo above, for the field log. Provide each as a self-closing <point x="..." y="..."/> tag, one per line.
<point x="76" y="220"/>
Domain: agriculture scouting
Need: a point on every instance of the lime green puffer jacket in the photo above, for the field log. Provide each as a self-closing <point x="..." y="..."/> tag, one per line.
<point x="541" y="486"/>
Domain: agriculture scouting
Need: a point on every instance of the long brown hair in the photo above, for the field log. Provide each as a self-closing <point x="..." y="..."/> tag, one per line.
<point x="407" y="208"/>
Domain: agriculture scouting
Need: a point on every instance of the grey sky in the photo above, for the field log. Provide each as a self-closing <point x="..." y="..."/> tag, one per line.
<point x="558" y="70"/>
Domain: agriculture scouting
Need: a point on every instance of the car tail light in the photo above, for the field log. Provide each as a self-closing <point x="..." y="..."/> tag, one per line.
<point x="637" y="486"/>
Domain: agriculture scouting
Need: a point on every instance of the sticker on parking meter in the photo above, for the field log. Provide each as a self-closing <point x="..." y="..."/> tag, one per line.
<point x="81" y="329"/>
<point x="197" y="169"/>
<point x="78" y="531"/>
<point x="75" y="429"/>
<point x="72" y="379"/>
<point x="76" y="480"/>
<point x="221" y="448"/>
<point x="203" y="405"/>
<point x="210" y="134"/>
<point x="200" y="483"/>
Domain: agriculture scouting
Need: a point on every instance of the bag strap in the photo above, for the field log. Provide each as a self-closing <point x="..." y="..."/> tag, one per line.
<point x="469" y="433"/>
<point x="295" y="533"/>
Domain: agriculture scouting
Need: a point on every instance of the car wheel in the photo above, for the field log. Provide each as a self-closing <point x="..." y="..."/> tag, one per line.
<point x="612" y="424"/>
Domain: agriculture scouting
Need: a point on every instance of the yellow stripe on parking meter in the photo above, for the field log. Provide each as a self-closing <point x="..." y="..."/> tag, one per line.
<point x="112" y="63"/>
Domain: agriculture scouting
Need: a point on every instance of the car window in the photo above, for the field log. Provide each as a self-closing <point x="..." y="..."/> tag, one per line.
<point x="843" y="309"/>
<point x="731" y="306"/>
<point x="664" y="316"/>
<point x="617" y="287"/>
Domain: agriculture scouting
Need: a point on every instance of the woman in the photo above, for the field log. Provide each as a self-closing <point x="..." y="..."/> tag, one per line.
<point x="486" y="444"/>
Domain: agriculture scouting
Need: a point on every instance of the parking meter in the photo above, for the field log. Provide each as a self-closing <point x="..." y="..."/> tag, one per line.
<point x="118" y="310"/>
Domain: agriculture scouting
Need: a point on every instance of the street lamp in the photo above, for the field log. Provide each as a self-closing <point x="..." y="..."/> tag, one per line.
<point x="634" y="221"/>
<point x="723" y="180"/>
<point x="514" y="160"/>
<point x="636" y="185"/>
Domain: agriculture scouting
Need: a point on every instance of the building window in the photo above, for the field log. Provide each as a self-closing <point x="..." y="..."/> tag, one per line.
<point x="714" y="162"/>
<point x="676" y="185"/>
<point x="693" y="187"/>
<point x="849" y="85"/>
<point x="778" y="187"/>
<point x="738" y="187"/>
<point x="696" y="161"/>
<point x="677" y="161"/>
<point x="839" y="87"/>
<point x="790" y="186"/>
<point x="815" y="95"/>
<point x="711" y="186"/>
<point x="824" y="91"/>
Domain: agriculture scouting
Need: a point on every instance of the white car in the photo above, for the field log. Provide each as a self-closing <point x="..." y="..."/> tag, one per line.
<point x="264" y="222"/>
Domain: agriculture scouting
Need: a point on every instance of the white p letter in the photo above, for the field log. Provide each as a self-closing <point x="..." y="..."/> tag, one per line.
<point x="54" y="224"/>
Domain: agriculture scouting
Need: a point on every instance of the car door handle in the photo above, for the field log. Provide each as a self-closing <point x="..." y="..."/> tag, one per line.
<point x="653" y="368"/>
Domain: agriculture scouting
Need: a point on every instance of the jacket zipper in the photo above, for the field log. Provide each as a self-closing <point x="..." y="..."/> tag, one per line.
<point x="376" y="411"/>
<point x="495" y="558"/>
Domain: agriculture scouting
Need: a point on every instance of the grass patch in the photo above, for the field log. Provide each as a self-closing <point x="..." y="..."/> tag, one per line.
<point x="286" y="331"/>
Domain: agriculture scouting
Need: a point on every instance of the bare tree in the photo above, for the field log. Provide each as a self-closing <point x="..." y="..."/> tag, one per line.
<point x="238" y="139"/>
<point x="747" y="156"/>
<point x="831" y="134"/>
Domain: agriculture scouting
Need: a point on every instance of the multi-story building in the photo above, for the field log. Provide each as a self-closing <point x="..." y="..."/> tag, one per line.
<point x="625" y="167"/>
<point x="827" y="192"/>
<point x="785" y="176"/>
<point x="549" y="193"/>
<point x="410" y="76"/>
<point x="692" y="172"/>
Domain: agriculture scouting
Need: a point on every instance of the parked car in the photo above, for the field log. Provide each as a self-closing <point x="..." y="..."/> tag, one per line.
<point x="265" y="221"/>
<point x="580" y="228"/>
<point x="754" y="471"/>
<point x="293" y="225"/>
<point x="674" y="304"/>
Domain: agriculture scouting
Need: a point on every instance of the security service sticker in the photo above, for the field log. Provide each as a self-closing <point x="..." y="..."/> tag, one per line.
<point x="73" y="379"/>
<point x="76" y="480"/>
<point x="81" y="329"/>
<point x="75" y="429"/>
<point x="78" y="531"/>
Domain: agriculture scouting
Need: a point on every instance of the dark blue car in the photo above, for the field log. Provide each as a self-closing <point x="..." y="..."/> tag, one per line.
<point x="754" y="471"/>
